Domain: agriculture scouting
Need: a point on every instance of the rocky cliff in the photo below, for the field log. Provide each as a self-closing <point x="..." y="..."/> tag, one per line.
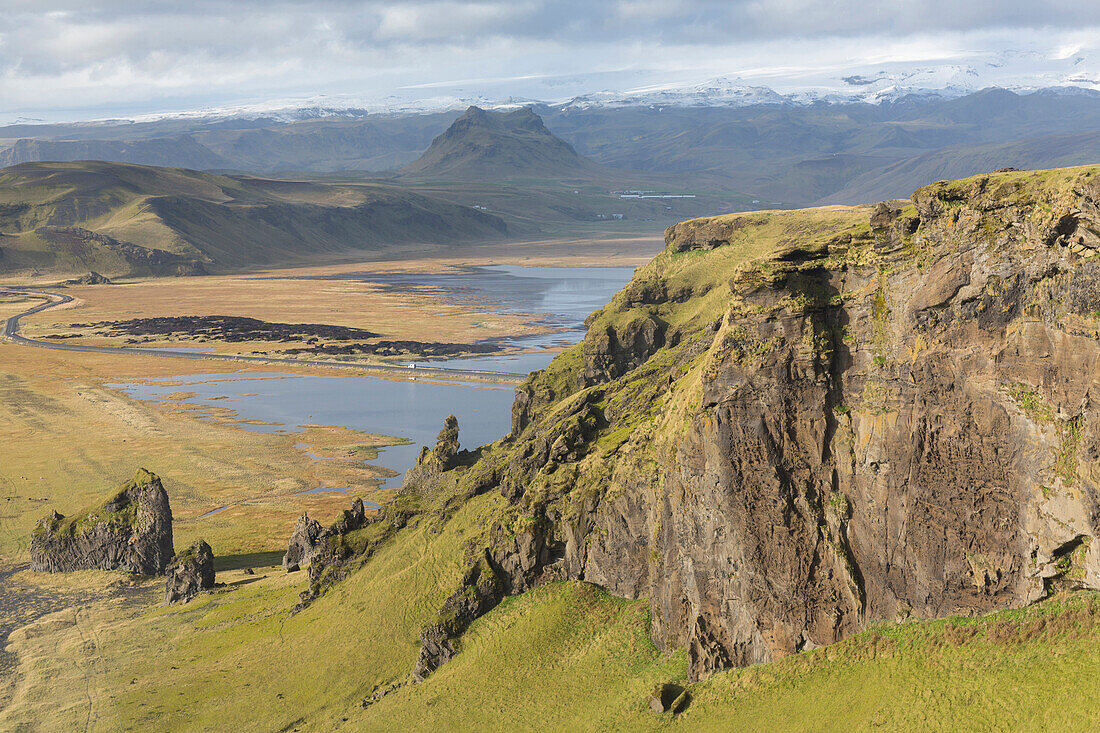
<point x="130" y="531"/>
<point x="790" y="425"/>
<point x="333" y="552"/>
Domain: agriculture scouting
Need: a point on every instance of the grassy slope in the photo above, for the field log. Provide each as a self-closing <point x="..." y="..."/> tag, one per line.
<point x="568" y="657"/>
<point x="237" y="659"/>
<point x="1028" y="669"/>
<point x="563" y="657"/>
<point x="222" y="221"/>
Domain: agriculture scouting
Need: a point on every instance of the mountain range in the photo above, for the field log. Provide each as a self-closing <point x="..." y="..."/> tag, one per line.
<point x="744" y="139"/>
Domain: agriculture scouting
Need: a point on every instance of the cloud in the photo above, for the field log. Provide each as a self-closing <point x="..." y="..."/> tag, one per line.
<point x="81" y="53"/>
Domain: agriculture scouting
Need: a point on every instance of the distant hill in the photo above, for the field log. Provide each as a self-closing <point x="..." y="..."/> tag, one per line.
<point x="372" y="143"/>
<point x="961" y="161"/>
<point x="169" y="151"/>
<point x="515" y="144"/>
<point x="120" y="219"/>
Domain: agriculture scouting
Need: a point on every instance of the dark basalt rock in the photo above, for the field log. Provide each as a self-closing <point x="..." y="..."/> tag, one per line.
<point x="308" y="538"/>
<point x="130" y="531"/>
<point x="668" y="698"/>
<point x="481" y="589"/>
<point x="443" y="455"/>
<point x="189" y="573"/>
<point x="434" y="461"/>
<point x="303" y="543"/>
<point x="319" y="338"/>
<point x="231" y="328"/>
<point x="612" y="351"/>
<point x="92" y="278"/>
<point x="396" y="348"/>
<point x="328" y="550"/>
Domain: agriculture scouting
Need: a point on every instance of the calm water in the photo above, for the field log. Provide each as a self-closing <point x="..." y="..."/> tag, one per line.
<point x="559" y="298"/>
<point x="285" y="403"/>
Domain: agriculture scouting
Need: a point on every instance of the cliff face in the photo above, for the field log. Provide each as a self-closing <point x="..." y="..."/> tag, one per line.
<point x="790" y="425"/>
<point x="130" y="531"/>
<point x="908" y="432"/>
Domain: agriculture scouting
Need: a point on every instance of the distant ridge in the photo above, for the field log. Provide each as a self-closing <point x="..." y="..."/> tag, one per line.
<point x="778" y="152"/>
<point x="960" y="161"/>
<point x="125" y="219"/>
<point x="512" y="144"/>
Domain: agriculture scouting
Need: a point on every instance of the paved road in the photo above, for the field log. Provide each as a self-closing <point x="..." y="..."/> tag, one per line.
<point x="11" y="333"/>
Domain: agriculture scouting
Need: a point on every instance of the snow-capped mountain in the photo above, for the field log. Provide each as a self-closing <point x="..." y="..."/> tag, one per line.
<point x="291" y="110"/>
<point x="1020" y="71"/>
<point x="721" y="92"/>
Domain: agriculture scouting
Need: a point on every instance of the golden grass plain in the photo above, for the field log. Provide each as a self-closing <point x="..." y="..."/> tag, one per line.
<point x="283" y="296"/>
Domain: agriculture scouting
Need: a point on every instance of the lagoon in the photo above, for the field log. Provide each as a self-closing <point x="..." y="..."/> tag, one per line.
<point x="557" y="298"/>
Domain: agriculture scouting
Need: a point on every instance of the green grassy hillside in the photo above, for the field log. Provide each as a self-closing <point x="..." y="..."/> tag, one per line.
<point x="565" y="656"/>
<point x="120" y="219"/>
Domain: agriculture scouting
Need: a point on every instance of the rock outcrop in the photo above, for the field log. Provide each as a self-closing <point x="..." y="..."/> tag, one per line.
<point x="481" y="589"/>
<point x="92" y="278"/>
<point x="130" y="531"/>
<point x="668" y="698"/>
<point x="333" y="551"/>
<point x="444" y="456"/>
<point x="791" y="425"/>
<point x="304" y="541"/>
<point x="189" y="573"/>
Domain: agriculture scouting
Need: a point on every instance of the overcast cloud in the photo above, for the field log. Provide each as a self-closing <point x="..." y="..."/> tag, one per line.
<point x="90" y="58"/>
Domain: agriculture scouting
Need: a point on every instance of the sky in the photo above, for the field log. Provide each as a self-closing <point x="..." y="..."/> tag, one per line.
<point x="88" y="59"/>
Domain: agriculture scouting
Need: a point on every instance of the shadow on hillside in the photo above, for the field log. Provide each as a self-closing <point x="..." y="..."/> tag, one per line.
<point x="248" y="560"/>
